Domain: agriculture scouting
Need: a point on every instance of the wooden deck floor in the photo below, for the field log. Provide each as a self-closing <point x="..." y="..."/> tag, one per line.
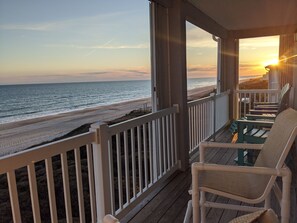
<point x="170" y="204"/>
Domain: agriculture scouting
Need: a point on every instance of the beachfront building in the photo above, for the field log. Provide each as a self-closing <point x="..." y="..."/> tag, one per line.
<point x="139" y="170"/>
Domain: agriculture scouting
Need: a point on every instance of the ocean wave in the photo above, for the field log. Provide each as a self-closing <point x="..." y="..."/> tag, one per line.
<point x="25" y="102"/>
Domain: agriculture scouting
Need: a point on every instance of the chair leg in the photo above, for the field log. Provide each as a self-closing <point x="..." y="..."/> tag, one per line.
<point x="188" y="212"/>
<point x="285" y="202"/>
<point x="195" y="196"/>
<point x="202" y="208"/>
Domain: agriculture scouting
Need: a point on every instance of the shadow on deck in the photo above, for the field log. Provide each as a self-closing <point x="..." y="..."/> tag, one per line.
<point x="169" y="205"/>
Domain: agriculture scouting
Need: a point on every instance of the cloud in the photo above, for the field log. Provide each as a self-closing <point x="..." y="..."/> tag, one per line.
<point x="30" y="27"/>
<point x="247" y="66"/>
<point x="95" y="73"/>
<point x="103" y="46"/>
<point x="201" y="71"/>
<point x="198" y="38"/>
<point x="255" y="43"/>
<point x="204" y="68"/>
<point x="134" y="73"/>
<point x="95" y="20"/>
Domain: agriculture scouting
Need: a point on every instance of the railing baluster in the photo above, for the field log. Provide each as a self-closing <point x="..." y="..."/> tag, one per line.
<point x="203" y="121"/>
<point x="164" y="145"/>
<point x="33" y="192"/>
<point x="139" y="159"/>
<point x="193" y="126"/>
<point x="151" y="152"/>
<point x="168" y="142"/>
<point x="80" y="192"/>
<point x="111" y="175"/>
<point x="208" y="119"/>
<point x="250" y="101"/>
<point x="175" y="143"/>
<point x="51" y="189"/>
<point x="66" y="187"/>
<point x="14" y="200"/>
<point x="199" y="123"/>
<point x="91" y="182"/>
<point x="244" y="104"/>
<point x="240" y="104"/>
<point x="195" y="129"/>
<point x="119" y="165"/>
<point x="190" y="127"/>
<point x="127" y="167"/>
<point x="144" y="128"/>
<point x="133" y="161"/>
<point x="193" y="121"/>
<point x="171" y="141"/>
<point x="159" y="148"/>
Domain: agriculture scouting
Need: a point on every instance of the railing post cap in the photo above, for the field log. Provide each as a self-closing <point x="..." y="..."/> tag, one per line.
<point x="177" y="107"/>
<point x="97" y="125"/>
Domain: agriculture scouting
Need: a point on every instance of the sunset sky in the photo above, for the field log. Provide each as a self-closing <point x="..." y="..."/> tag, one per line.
<point x="72" y="41"/>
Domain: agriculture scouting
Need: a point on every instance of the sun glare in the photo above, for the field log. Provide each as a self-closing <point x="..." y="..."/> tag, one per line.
<point x="270" y="62"/>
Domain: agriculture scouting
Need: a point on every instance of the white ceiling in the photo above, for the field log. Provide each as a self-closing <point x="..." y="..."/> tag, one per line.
<point x="249" y="14"/>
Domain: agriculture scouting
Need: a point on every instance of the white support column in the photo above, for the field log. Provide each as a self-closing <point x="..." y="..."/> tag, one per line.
<point x="101" y="171"/>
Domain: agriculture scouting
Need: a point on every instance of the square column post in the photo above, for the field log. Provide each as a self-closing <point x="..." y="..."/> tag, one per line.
<point x="169" y="78"/>
<point x="229" y="54"/>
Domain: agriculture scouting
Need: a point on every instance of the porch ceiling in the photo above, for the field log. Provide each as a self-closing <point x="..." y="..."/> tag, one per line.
<point x="251" y="17"/>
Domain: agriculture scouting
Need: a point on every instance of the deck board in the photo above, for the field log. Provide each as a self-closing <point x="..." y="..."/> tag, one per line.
<point x="170" y="204"/>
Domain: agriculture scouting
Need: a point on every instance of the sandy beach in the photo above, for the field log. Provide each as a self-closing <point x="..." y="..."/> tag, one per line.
<point x="17" y="136"/>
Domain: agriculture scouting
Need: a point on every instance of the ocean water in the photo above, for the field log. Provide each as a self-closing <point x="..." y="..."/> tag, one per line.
<point x="20" y="102"/>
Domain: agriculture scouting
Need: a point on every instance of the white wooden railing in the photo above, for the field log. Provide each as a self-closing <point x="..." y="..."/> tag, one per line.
<point x="247" y="98"/>
<point x="109" y="170"/>
<point x="206" y="116"/>
<point x="54" y="159"/>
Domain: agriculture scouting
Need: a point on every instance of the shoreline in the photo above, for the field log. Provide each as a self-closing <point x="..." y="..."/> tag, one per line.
<point x="19" y="135"/>
<point x="195" y="92"/>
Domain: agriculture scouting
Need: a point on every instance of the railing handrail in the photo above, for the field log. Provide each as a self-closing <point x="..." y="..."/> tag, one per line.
<point x="43" y="152"/>
<point x="131" y="123"/>
<point x="199" y="101"/>
<point x="208" y="98"/>
<point x="257" y="91"/>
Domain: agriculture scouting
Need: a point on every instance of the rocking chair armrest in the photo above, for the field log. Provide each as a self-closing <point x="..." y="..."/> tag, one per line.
<point x="268" y="107"/>
<point x="265" y="103"/>
<point x="255" y="122"/>
<point x="207" y="145"/>
<point x="241" y="169"/>
<point x="260" y="111"/>
<point x="255" y="117"/>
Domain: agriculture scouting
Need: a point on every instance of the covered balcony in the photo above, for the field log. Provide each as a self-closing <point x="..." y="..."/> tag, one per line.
<point x="139" y="170"/>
